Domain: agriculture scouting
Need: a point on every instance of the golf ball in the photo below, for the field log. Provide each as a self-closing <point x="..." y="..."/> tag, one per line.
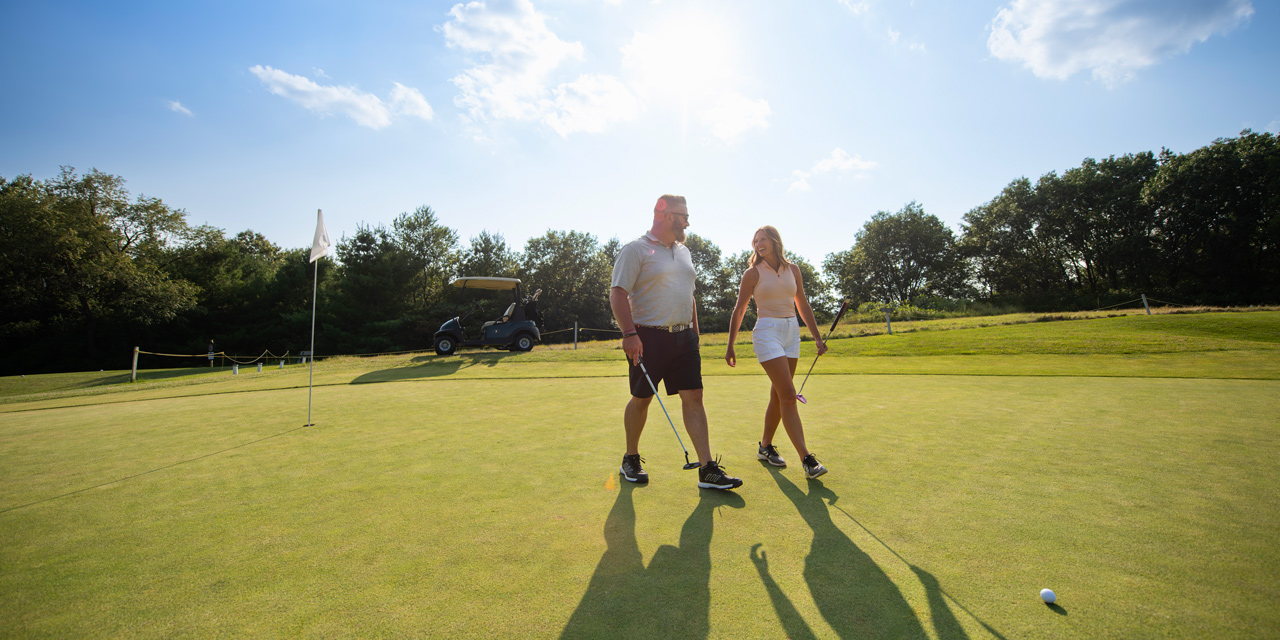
<point x="1048" y="596"/>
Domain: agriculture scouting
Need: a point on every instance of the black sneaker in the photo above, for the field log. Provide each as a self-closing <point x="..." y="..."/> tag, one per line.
<point x="812" y="468"/>
<point x="769" y="453"/>
<point x="712" y="476"/>
<point x="631" y="469"/>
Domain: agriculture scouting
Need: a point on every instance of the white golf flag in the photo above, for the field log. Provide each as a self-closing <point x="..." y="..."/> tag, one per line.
<point x="320" y="246"/>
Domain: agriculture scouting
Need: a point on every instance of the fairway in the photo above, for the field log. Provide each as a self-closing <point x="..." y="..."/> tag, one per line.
<point x="478" y="496"/>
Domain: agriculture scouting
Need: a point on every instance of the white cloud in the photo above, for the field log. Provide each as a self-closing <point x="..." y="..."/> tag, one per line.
<point x="408" y="101"/>
<point x="856" y="6"/>
<point x="838" y="162"/>
<point x="177" y="107"/>
<point x="591" y="104"/>
<point x="365" y="108"/>
<point x="733" y="114"/>
<point x="521" y="51"/>
<point x="519" y="74"/>
<point x="319" y="73"/>
<point x="1111" y="38"/>
<point x="1274" y="127"/>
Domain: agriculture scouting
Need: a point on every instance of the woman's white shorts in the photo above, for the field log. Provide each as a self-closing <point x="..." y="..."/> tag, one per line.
<point x="776" y="337"/>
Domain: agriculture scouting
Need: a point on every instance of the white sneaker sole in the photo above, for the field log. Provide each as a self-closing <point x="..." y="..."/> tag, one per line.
<point x="629" y="478"/>
<point x="762" y="456"/>
<point x="722" y="487"/>
<point x="815" y="474"/>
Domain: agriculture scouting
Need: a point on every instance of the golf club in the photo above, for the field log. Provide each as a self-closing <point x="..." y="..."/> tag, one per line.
<point x="799" y="394"/>
<point x="687" y="465"/>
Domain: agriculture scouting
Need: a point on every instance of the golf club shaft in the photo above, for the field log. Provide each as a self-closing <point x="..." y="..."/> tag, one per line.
<point x="843" y="305"/>
<point x="640" y="364"/>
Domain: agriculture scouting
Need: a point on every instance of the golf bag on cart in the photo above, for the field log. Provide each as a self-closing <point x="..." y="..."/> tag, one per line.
<point x="531" y="312"/>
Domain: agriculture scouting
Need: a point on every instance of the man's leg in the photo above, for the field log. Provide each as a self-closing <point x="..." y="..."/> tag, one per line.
<point x="695" y="423"/>
<point x="633" y="419"/>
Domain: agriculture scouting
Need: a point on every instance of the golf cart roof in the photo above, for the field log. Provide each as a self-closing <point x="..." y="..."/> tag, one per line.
<point x="492" y="284"/>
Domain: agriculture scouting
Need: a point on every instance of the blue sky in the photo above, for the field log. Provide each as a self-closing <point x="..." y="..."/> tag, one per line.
<point x="520" y="116"/>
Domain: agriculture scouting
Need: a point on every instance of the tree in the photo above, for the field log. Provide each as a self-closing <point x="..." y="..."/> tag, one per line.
<point x="431" y="249"/>
<point x="81" y="265"/>
<point x="897" y="257"/>
<point x="574" y="275"/>
<point x="1218" y="213"/>
<point x="488" y="255"/>
<point x="373" y="297"/>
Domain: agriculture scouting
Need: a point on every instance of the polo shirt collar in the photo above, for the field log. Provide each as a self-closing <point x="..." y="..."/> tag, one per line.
<point x="654" y="239"/>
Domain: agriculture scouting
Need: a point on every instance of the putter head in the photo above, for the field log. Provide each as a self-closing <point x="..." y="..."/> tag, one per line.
<point x="691" y="465"/>
<point x="801" y="399"/>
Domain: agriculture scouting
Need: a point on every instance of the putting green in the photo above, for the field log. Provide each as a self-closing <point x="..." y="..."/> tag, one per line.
<point x="467" y="508"/>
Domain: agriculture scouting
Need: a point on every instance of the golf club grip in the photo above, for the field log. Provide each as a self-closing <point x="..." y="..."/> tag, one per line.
<point x="843" y="305"/>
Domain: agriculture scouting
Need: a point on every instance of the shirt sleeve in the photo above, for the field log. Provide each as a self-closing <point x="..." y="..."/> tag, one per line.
<point x="626" y="269"/>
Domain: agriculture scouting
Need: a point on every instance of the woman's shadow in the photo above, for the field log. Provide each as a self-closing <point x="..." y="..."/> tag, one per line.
<point x="854" y="595"/>
<point x="668" y="599"/>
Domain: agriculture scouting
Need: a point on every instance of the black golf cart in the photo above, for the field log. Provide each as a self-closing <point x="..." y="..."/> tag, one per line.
<point x="515" y="330"/>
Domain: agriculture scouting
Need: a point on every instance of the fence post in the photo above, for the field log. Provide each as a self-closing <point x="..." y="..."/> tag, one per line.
<point x="575" y="335"/>
<point x="133" y="376"/>
<point x="235" y="369"/>
<point x="1144" y="304"/>
<point x="887" y="323"/>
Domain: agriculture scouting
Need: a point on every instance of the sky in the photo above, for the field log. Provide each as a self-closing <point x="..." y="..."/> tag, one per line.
<point x="522" y="116"/>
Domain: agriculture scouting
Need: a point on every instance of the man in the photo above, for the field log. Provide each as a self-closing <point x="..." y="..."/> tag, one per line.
<point x="652" y="300"/>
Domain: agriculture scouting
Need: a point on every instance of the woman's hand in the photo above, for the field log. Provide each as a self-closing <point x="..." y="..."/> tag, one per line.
<point x="730" y="357"/>
<point x="822" y="346"/>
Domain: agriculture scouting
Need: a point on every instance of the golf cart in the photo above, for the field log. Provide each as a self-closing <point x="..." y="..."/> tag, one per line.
<point x="515" y="330"/>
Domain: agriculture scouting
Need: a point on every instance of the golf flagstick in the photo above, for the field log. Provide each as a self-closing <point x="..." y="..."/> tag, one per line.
<point x="319" y="248"/>
<point x="799" y="394"/>
<point x="687" y="465"/>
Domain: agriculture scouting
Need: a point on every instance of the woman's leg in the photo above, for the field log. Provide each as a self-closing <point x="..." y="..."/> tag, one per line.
<point x="782" y="403"/>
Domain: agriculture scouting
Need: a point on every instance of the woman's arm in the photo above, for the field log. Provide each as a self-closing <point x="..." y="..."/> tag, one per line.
<point x="748" y="285"/>
<point x="806" y="312"/>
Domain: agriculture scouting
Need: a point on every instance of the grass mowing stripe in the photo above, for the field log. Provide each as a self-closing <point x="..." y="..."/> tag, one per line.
<point x="139" y="475"/>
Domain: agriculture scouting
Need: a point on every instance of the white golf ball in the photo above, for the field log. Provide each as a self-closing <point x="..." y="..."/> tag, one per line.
<point x="1048" y="596"/>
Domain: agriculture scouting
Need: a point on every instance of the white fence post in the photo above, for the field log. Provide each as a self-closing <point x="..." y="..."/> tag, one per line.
<point x="133" y="377"/>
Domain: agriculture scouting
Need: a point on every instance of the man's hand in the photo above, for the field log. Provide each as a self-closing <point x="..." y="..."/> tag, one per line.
<point x="634" y="349"/>
<point x="731" y="357"/>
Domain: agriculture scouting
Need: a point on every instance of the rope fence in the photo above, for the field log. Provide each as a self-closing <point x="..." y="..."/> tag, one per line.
<point x="305" y="355"/>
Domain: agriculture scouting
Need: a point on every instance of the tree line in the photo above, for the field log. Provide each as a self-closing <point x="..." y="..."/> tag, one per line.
<point x="88" y="271"/>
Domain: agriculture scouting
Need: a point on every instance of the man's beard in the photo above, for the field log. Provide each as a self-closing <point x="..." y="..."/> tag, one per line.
<point x="678" y="231"/>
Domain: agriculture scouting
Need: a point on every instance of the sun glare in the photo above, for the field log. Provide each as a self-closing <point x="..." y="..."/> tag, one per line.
<point x="689" y="54"/>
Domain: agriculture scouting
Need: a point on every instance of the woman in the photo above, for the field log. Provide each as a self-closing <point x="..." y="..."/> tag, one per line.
<point x="776" y="285"/>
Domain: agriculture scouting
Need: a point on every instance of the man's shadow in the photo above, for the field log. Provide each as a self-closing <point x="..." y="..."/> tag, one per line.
<point x="668" y="599"/>
<point x="852" y="592"/>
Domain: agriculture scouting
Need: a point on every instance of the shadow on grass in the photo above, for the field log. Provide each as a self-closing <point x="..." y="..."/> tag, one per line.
<point x="431" y="366"/>
<point x="945" y="625"/>
<point x="671" y="598"/>
<point x="852" y="592"/>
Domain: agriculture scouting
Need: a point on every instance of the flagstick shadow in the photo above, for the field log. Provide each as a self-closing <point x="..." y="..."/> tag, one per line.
<point x="671" y="598"/>
<point x="852" y="592"/>
<point x="945" y="623"/>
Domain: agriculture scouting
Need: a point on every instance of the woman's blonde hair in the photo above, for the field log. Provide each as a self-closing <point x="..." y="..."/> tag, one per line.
<point x="772" y="234"/>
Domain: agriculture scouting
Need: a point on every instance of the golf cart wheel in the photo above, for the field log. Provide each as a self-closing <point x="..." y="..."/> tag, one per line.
<point x="445" y="345"/>
<point x="524" y="342"/>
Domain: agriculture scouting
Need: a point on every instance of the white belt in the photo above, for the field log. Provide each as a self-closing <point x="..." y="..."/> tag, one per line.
<point x="673" y="329"/>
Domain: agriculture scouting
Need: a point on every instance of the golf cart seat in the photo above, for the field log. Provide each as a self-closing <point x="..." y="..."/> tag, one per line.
<point x="505" y="316"/>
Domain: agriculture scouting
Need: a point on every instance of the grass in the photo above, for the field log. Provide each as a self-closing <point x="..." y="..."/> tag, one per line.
<point x="1126" y="462"/>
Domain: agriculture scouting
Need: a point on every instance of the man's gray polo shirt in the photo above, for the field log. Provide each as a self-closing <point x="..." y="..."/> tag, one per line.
<point x="658" y="280"/>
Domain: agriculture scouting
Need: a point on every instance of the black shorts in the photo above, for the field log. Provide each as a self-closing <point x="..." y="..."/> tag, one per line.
<point x="670" y="357"/>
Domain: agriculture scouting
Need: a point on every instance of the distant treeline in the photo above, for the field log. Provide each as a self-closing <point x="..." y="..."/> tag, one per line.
<point x="88" y="272"/>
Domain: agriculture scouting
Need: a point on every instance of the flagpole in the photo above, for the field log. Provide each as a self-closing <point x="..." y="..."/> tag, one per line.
<point x="315" y="287"/>
<point x="319" y="248"/>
